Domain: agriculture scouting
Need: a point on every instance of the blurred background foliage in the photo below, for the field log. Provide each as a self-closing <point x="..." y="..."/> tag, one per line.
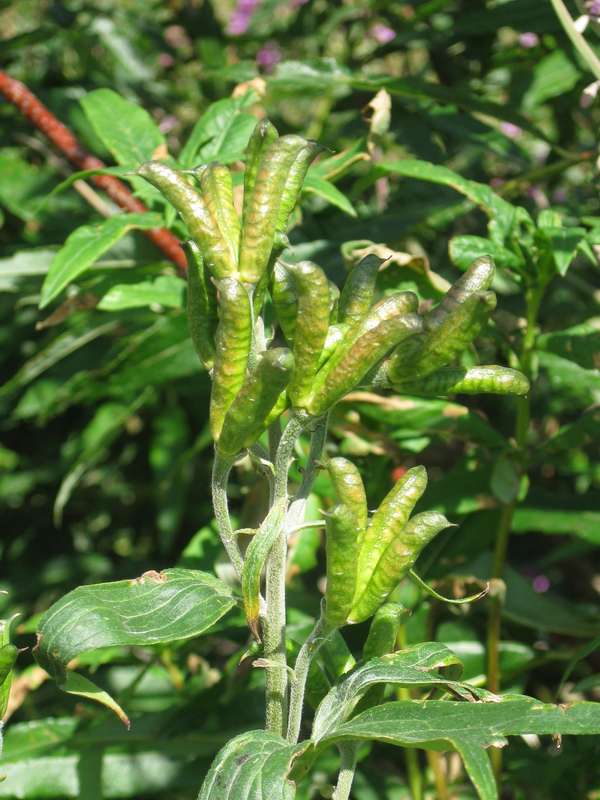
<point x="105" y="452"/>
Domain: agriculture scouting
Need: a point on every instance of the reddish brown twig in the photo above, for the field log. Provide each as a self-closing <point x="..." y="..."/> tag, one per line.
<point x="43" y="119"/>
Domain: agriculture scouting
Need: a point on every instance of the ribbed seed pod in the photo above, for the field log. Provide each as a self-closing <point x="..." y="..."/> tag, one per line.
<point x="383" y="631"/>
<point x="476" y="380"/>
<point x="335" y="336"/>
<point x="450" y="327"/>
<point x="398" y="557"/>
<point x="293" y="183"/>
<point x="193" y="210"/>
<point x="349" y="489"/>
<point x="312" y="322"/>
<point x="247" y="416"/>
<point x="201" y="306"/>
<point x="262" y="136"/>
<point x="342" y="552"/>
<point x="387" y="324"/>
<point x="334" y="301"/>
<point x="449" y="330"/>
<point x="388" y="521"/>
<point x="280" y="406"/>
<point x="217" y="189"/>
<point x="285" y="300"/>
<point x="233" y="342"/>
<point x="358" y="291"/>
<point x="260" y="217"/>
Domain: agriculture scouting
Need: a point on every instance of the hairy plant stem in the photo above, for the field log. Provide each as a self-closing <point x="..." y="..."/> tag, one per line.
<point x="577" y="39"/>
<point x="220" y="475"/>
<point x="317" y="637"/>
<point x="347" y="770"/>
<point x="533" y="299"/>
<point x="275" y="618"/>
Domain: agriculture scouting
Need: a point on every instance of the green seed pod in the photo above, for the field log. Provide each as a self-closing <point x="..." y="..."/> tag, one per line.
<point x="349" y="489"/>
<point x="383" y="631"/>
<point x="193" y="210"/>
<point x="293" y="183"/>
<point x="359" y="290"/>
<point x="201" y="306"/>
<point x="8" y="656"/>
<point x="260" y="221"/>
<point x="262" y="136"/>
<point x="387" y="324"/>
<point x="285" y="300"/>
<point x="233" y="342"/>
<point x="335" y="336"/>
<point x="342" y="553"/>
<point x="280" y="406"/>
<point x="388" y="521"/>
<point x="312" y="323"/>
<point x="476" y="380"/>
<point x="217" y="190"/>
<point x="449" y="330"/>
<point x="334" y="301"/>
<point x="247" y="416"/>
<point x="398" y="557"/>
<point x="450" y="327"/>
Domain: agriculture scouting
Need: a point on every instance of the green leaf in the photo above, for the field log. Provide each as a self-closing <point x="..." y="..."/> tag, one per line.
<point x="82" y="175"/>
<point x="154" y="609"/>
<point x="85" y="245"/>
<point x="222" y="132"/>
<point x="502" y="213"/>
<point x="325" y="189"/>
<point x="254" y="563"/>
<point x="580" y="344"/>
<point x="505" y="480"/>
<point x="467" y="727"/>
<point x="8" y="656"/>
<point x="126" y="129"/>
<point x="415" y="666"/>
<point x="553" y="76"/>
<point x="464" y="250"/>
<point x="166" y="290"/>
<point x="59" y="348"/>
<point x="253" y="766"/>
<point x="575" y="386"/>
<point x="582" y="523"/>
<point x="563" y="244"/>
<point x="543" y="612"/>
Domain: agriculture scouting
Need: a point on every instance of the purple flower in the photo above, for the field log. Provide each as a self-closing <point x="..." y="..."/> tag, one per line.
<point x="540" y="584"/>
<point x="298" y="3"/>
<point x="382" y="33"/>
<point x="511" y="130"/>
<point x="239" y="22"/>
<point x="165" y="60"/>
<point x="593" y="9"/>
<point x="268" y="56"/>
<point x="529" y="40"/>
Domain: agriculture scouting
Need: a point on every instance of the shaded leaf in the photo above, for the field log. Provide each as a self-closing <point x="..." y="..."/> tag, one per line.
<point x="325" y="189"/>
<point x="85" y="245"/>
<point x="166" y="290"/>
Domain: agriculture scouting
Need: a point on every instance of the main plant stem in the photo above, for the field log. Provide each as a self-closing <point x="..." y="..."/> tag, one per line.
<point x="533" y="299"/>
<point x="275" y="618"/>
<point x="346" y="774"/>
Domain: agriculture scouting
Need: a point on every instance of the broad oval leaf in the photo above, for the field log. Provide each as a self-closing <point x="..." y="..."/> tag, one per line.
<point x="155" y="608"/>
<point x="415" y="666"/>
<point x="253" y="766"/>
<point x="469" y="728"/>
<point x="85" y="245"/>
<point x="125" y="128"/>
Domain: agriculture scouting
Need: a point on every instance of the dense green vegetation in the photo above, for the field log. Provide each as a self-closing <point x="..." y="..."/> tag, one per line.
<point x="448" y="130"/>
